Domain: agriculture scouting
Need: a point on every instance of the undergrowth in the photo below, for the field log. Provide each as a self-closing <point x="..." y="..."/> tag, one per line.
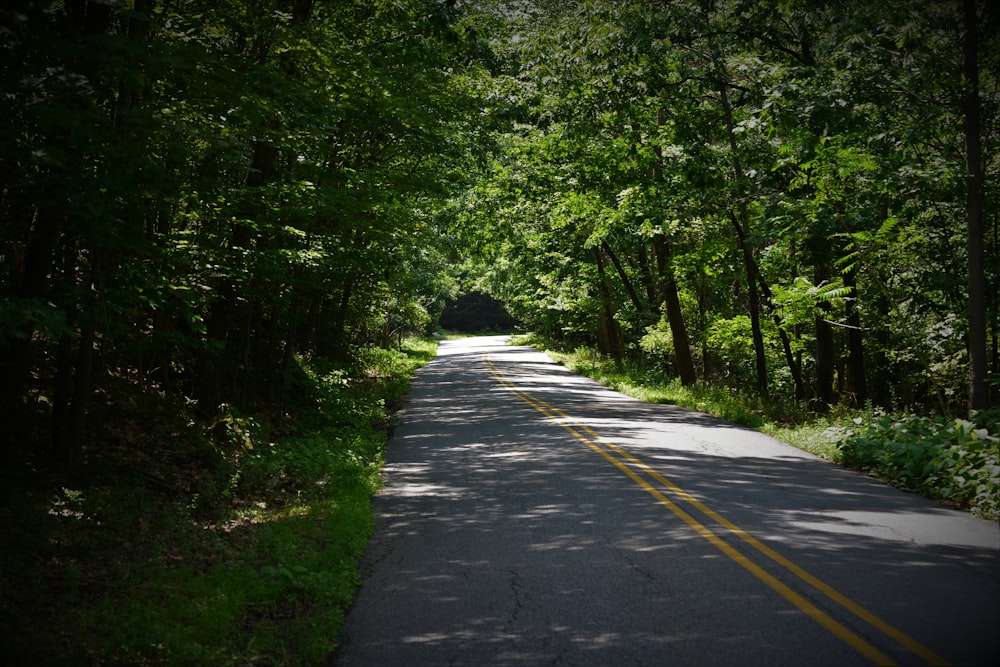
<point x="951" y="460"/>
<point x="228" y="542"/>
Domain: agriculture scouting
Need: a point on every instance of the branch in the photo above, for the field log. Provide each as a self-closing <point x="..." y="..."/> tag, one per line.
<point x="844" y="326"/>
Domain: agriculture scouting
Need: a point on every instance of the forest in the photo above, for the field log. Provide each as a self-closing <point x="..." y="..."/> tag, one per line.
<point x="224" y="227"/>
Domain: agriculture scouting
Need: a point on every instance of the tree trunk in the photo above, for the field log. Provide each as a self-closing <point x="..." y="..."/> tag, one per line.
<point x="881" y="371"/>
<point x="666" y="284"/>
<point x="72" y="447"/>
<point x="73" y="381"/>
<point x="338" y="342"/>
<point x="756" y="282"/>
<point x="672" y="303"/>
<point x="62" y="397"/>
<point x="648" y="283"/>
<point x="640" y="308"/>
<point x="979" y="389"/>
<point x="609" y="336"/>
<point x="15" y="356"/>
<point x="826" y="360"/>
<point x="743" y="228"/>
<point x="753" y="295"/>
<point x="704" y="308"/>
<point x="794" y="364"/>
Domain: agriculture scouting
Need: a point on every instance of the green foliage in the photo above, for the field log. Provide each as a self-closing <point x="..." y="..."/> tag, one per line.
<point x="658" y="341"/>
<point x="716" y="127"/>
<point x="799" y="303"/>
<point x="211" y="189"/>
<point x="239" y="547"/>
<point x="19" y="318"/>
<point x="954" y="460"/>
<point x="653" y="384"/>
<point x="731" y="341"/>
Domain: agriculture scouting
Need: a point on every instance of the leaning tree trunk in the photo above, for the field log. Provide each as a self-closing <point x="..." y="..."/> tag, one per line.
<point x="672" y="304"/>
<point x="641" y="309"/>
<point x="756" y="282"/>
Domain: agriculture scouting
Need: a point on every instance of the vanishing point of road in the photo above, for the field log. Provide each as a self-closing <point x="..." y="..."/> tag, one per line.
<point x="532" y="517"/>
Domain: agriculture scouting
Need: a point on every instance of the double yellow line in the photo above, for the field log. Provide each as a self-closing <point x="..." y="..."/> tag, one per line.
<point x="630" y="464"/>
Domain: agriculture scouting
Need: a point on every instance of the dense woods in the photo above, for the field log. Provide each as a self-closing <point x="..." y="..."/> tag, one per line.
<point x="204" y="202"/>
<point x="790" y="196"/>
<point x="194" y="193"/>
<point x="779" y="195"/>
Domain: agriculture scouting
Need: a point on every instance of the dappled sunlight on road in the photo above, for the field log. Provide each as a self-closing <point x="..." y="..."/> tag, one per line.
<point x="507" y="537"/>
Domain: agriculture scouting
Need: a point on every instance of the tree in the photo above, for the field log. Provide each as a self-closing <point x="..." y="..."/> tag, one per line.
<point x="797" y="133"/>
<point x="979" y="392"/>
<point x="197" y="192"/>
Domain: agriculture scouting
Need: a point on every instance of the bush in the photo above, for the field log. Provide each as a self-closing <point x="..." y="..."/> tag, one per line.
<point x="954" y="460"/>
<point x="231" y="541"/>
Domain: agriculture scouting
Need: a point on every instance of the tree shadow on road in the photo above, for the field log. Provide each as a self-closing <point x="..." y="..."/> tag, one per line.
<point x="495" y="517"/>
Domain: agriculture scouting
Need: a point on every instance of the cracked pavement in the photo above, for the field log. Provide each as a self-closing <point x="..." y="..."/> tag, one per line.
<point x="501" y="539"/>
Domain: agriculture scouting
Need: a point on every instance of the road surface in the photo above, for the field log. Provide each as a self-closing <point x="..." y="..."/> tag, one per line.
<point x="532" y="517"/>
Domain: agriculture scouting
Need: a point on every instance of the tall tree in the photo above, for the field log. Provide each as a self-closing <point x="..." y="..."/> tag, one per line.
<point x="979" y="390"/>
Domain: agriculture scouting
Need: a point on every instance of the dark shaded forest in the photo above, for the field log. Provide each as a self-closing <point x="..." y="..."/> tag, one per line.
<point x="195" y="193"/>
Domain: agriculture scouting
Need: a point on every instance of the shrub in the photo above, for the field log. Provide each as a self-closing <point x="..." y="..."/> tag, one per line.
<point x="228" y="541"/>
<point x="953" y="460"/>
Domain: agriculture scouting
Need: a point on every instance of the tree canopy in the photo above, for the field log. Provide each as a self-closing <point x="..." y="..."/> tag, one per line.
<point x="789" y="196"/>
<point x="196" y="192"/>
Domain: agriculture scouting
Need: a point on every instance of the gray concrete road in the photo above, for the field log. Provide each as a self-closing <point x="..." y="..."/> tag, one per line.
<point x="533" y="517"/>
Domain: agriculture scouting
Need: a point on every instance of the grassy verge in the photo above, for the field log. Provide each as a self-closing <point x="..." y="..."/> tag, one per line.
<point x="223" y="543"/>
<point x="954" y="461"/>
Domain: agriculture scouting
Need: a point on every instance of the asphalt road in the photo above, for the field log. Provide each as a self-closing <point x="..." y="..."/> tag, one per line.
<point x="533" y="517"/>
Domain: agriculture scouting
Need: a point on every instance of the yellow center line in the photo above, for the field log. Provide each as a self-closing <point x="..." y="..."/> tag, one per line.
<point x="841" y="599"/>
<point x="798" y="601"/>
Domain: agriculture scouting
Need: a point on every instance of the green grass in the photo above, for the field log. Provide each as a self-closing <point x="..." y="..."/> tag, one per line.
<point x="954" y="461"/>
<point x="229" y="543"/>
<point x="820" y="436"/>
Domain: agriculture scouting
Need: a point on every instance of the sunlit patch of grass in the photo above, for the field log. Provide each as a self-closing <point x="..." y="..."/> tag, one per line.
<point x="456" y="335"/>
<point x="653" y="386"/>
<point x="818" y="437"/>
